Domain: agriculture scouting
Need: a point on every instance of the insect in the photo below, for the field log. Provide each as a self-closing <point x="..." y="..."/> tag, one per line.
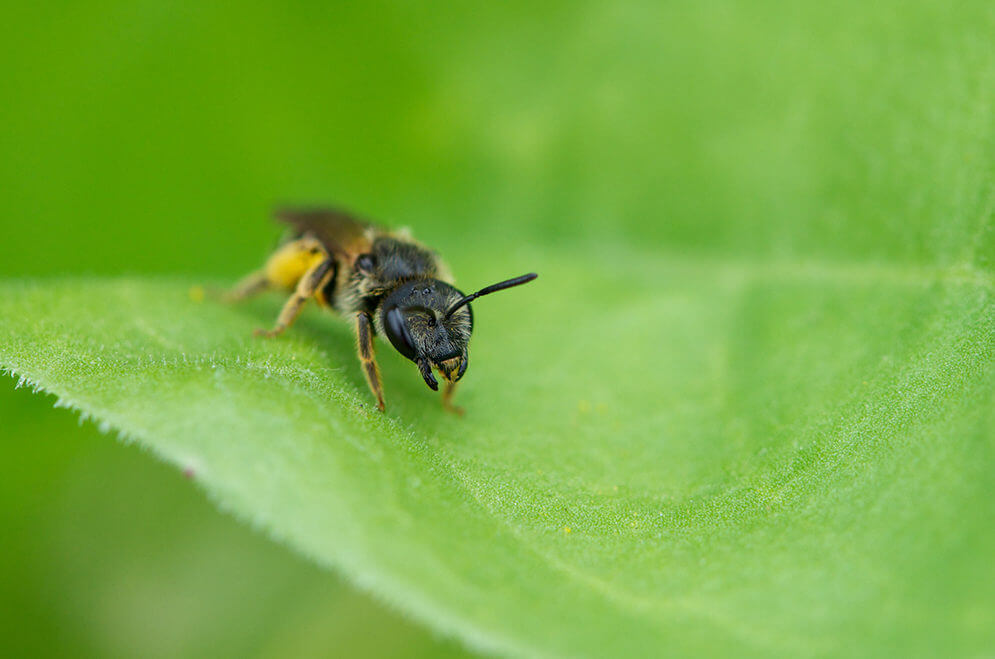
<point x="384" y="281"/>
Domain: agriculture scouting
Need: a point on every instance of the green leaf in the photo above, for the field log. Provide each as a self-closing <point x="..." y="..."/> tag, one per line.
<point x="657" y="456"/>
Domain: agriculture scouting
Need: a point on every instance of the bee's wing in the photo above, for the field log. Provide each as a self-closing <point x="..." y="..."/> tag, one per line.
<point x="341" y="233"/>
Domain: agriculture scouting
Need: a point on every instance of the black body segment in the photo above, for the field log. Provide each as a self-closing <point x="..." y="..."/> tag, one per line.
<point x="397" y="261"/>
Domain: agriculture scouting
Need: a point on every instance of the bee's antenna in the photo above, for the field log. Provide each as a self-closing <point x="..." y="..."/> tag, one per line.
<point x="493" y="288"/>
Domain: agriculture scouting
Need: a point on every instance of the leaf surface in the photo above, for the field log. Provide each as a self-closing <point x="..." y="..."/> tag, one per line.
<point x="665" y="455"/>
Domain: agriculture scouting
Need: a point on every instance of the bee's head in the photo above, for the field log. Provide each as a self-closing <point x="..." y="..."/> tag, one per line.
<point x="430" y="322"/>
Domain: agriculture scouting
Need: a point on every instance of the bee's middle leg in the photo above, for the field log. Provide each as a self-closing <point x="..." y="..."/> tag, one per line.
<point x="364" y="341"/>
<point x="306" y="287"/>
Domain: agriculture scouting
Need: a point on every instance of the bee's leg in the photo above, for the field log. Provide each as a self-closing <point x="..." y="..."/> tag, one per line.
<point x="364" y="340"/>
<point x="250" y="285"/>
<point x="447" y="399"/>
<point x="306" y="287"/>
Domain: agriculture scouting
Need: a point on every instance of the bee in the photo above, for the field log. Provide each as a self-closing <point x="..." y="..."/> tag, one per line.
<point x="384" y="282"/>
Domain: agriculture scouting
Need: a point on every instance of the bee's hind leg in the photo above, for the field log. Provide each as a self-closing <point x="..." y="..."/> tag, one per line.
<point x="364" y="341"/>
<point x="249" y="286"/>
<point x="306" y="287"/>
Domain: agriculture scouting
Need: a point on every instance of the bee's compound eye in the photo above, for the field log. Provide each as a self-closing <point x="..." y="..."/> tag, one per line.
<point x="397" y="333"/>
<point x="365" y="262"/>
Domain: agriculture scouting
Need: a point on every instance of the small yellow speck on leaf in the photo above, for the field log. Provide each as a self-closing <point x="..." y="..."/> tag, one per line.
<point x="566" y="530"/>
<point x="196" y="293"/>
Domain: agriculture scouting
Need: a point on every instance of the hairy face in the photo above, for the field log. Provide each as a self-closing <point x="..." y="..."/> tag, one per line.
<point x="414" y="319"/>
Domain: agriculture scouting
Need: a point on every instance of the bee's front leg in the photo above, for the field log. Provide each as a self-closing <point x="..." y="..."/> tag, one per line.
<point x="364" y="340"/>
<point x="447" y="399"/>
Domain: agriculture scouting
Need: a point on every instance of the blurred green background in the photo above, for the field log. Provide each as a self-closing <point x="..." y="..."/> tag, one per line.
<point x="153" y="137"/>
